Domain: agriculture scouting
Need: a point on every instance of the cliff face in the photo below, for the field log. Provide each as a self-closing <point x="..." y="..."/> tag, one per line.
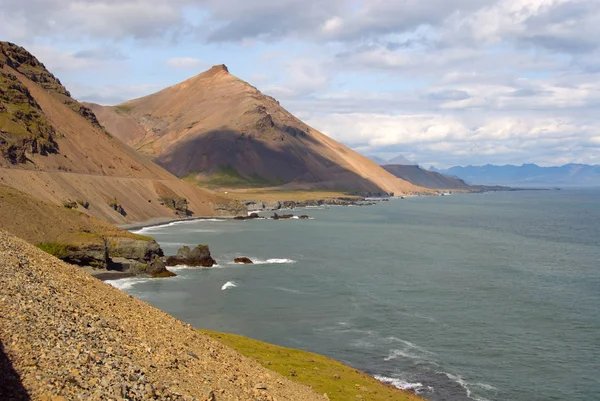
<point x="53" y="148"/>
<point x="217" y="129"/>
<point x="66" y="335"/>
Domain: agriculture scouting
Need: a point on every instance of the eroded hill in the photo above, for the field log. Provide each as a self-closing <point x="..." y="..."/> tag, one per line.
<point x="53" y="148"/>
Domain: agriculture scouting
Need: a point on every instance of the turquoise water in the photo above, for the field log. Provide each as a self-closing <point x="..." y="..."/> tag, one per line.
<point x="483" y="297"/>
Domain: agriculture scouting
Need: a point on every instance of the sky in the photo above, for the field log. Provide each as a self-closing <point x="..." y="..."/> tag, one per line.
<point x="442" y="82"/>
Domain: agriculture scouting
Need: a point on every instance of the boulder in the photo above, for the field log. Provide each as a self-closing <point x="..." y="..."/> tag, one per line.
<point x="282" y="216"/>
<point x="199" y="256"/>
<point x="243" y="260"/>
<point x="139" y="250"/>
<point x="94" y="255"/>
<point x="251" y="216"/>
<point x="304" y="217"/>
<point x="155" y="268"/>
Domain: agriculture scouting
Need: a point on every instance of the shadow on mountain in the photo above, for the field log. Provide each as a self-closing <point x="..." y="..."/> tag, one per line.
<point x="11" y="387"/>
<point x="280" y="159"/>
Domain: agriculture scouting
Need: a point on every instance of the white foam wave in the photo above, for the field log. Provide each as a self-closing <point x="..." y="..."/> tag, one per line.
<point x="186" y="267"/>
<point x="273" y="261"/>
<point x="125" y="284"/>
<point x="399" y="383"/>
<point x="467" y="386"/>
<point x="396" y="353"/>
<point x="410" y="345"/>
<point x="171" y="224"/>
<point x="228" y="285"/>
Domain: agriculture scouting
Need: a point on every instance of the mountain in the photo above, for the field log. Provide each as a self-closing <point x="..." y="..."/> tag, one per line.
<point x="377" y="159"/>
<point x="54" y="149"/>
<point x="424" y="178"/>
<point x="528" y="175"/>
<point x="401" y="160"/>
<point x="216" y="128"/>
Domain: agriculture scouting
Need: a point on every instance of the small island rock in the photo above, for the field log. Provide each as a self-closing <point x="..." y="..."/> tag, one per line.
<point x="199" y="256"/>
<point x="243" y="260"/>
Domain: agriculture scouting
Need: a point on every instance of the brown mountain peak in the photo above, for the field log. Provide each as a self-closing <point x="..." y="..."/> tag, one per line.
<point x="218" y="68"/>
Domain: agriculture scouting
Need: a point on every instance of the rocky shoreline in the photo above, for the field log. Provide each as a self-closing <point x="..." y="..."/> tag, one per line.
<point x="67" y="336"/>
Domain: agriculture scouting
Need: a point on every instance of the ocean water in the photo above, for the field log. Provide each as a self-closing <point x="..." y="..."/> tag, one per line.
<point x="466" y="297"/>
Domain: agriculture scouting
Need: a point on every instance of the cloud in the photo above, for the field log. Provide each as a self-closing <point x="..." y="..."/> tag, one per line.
<point x="184" y="62"/>
<point x="110" y="94"/>
<point x="442" y="81"/>
<point x="446" y="140"/>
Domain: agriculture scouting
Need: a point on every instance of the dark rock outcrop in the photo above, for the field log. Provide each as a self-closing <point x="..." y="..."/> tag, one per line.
<point x="233" y="208"/>
<point x="282" y="216"/>
<point x="244" y="260"/>
<point x="178" y="205"/>
<point x="140" y="250"/>
<point x="95" y="255"/>
<point x="199" y="256"/>
<point x="251" y="216"/>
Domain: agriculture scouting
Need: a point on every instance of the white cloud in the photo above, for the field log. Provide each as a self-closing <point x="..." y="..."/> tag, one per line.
<point x="185" y="62"/>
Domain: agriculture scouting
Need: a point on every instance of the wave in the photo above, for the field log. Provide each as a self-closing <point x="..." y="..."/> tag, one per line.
<point x="409" y="345"/>
<point x="399" y="383"/>
<point x="273" y="261"/>
<point x="467" y="386"/>
<point x="186" y="267"/>
<point x="125" y="284"/>
<point x="228" y="285"/>
<point x="171" y="224"/>
<point x="290" y="290"/>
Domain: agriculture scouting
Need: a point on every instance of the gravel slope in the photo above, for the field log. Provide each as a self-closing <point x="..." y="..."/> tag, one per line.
<point x="67" y="336"/>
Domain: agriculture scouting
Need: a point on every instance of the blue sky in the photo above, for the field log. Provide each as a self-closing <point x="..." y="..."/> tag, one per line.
<point x="444" y="82"/>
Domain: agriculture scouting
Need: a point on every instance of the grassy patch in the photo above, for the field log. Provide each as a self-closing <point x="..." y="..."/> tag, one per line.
<point x="143" y="237"/>
<point x="57" y="249"/>
<point x="123" y="108"/>
<point x="285" y="195"/>
<point x="323" y="374"/>
<point x="229" y="177"/>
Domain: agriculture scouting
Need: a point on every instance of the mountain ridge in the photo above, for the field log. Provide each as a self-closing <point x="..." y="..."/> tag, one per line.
<point x="215" y="122"/>
<point x="53" y="148"/>
<point x="527" y="174"/>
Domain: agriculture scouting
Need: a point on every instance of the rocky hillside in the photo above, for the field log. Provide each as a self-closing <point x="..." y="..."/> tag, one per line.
<point x="67" y="336"/>
<point x="76" y="237"/>
<point x="424" y="178"/>
<point x="216" y="129"/>
<point x="53" y="148"/>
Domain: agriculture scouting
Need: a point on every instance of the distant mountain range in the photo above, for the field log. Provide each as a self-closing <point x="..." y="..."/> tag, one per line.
<point x="527" y="175"/>
<point x="427" y="179"/>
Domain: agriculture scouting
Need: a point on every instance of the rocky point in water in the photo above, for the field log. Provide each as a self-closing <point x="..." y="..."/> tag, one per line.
<point x="244" y="260"/>
<point x="199" y="256"/>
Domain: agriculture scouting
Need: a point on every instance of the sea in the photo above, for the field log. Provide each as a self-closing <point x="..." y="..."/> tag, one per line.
<point x="492" y="296"/>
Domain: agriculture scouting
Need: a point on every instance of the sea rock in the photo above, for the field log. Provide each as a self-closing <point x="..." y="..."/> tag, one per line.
<point x="304" y="217"/>
<point x="154" y="268"/>
<point x="199" y="256"/>
<point x="282" y="217"/>
<point x="251" y="216"/>
<point x="243" y="260"/>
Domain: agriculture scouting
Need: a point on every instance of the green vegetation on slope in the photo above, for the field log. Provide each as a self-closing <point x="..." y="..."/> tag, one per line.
<point x="23" y="125"/>
<point x="325" y="375"/>
<point x="123" y="108"/>
<point x="57" y="249"/>
<point x="229" y="177"/>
